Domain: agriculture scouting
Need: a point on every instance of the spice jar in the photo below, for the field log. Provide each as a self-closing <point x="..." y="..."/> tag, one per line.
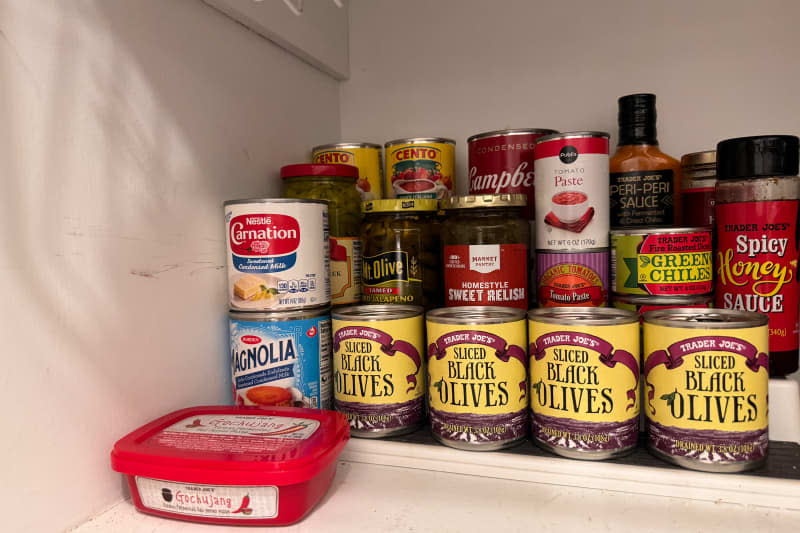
<point x="336" y="184"/>
<point x="757" y="199"/>
<point x="699" y="170"/>
<point x="400" y="263"/>
<point x="485" y="242"/>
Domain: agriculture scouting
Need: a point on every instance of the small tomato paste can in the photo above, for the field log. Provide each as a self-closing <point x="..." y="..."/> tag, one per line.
<point x="367" y="157"/>
<point x="642" y="304"/>
<point x="577" y="279"/>
<point x="281" y="358"/>
<point x="502" y="162"/>
<point x="662" y="261"/>
<point x="477" y="376"/>
<point x="277" y="254"/>
<point x="584" y="381"/>
<point x="572" y="211"/>
<point x="378" y="370"/>
<point x="706" y="376"/>
<point x="420" y="168"/>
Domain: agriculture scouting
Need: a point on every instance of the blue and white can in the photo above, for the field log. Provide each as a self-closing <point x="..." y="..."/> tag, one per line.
<point x="281" y="358"/>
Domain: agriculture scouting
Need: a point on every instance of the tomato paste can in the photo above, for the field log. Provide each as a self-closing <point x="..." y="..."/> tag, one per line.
<point x="367" y="157"/>
<point x="706" y="377"/>
<point x="576" y="279"/>
<point x="477" y="376"/>
<point x="277" y="252"/>
<point x="281" y="358"/>
<point x="422" y="167"/>
<point x="642" y="304"/>
<point x="662" y="261"/>
<point x="502" y="162"/>
<point x="378" y="370"/>
<point x="572" y="201"/>
<point x="584" y="381"/>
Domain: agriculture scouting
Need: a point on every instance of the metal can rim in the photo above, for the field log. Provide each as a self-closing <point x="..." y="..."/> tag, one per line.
<point x="473" y="201"/>
<point x="280" y="316"/>
<point x="390" y="205"/>
<point x="572" y="135"/>
<point x="469" y="315"/>
<point x="704" y="318"/>
<point x="513" y="131"/>
<point x="554" y="251"/>
<point x="658" y="230"/>
<point x="332" y="146"/>
<point x="274" y="200"/>
<point x="419" y="140"/>
<point x="377" y="312"/>
<point x="580" y="316"/>
<point x="647" y="299"/>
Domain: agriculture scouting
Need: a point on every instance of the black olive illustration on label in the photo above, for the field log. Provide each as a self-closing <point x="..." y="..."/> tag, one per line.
<point x="167" y="495"/>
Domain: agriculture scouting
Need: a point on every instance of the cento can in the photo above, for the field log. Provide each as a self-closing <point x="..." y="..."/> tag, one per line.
<point x="642" y="304"/>
<point x="378" y="370"/>
<point x="277" y="254"/>
<point x="584" y="381"/>
<point x="577" y="279"/>
<point x="281" y="358"/>
<point x="662" y="261"/>
<point x="367" y="157"/>
<point x="502" y="162"/>
<point x="477" y="376"/>
<point x="706" y="375"/>
<point x="572" y="202"/>
<point x="420" y="168"/>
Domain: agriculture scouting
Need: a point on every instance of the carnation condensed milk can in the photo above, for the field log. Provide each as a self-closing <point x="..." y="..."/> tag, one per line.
<point x="420" y="168"/>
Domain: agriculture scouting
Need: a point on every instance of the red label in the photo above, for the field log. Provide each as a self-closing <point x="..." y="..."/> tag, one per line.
<point x="264" y="234"/>
<point x="486" y="274"/>
<point x="698" y="207"/>
<point x="250" y="339"/>
<point x="757" y="265"/>
<point x="584" y="145"/>
<point x="677" y="263"/>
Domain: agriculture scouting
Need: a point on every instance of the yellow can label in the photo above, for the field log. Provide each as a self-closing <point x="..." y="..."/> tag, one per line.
<point x="420" y="170"/>
<point x="368" y="161"/>
<point x="584" y="385"/>
<point x="345" y="269"/>
<point x="378" y="372"/>
<point x="477" y="381"/>
<point x="706" y="392"/>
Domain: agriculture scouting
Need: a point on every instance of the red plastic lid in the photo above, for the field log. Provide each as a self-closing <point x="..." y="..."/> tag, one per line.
<point x="234" y="445"/>
<point x="348" y="171"/>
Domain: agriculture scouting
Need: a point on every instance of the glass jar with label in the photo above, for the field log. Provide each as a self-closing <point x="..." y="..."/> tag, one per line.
<point x="699" y="170"/>
<point x="485" y="243"/>
<point x="400" y="252"/>
<point x="336" y="185"/>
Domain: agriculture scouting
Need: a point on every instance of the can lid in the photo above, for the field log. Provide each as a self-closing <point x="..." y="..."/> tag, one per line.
<point x="419" y="140"/>
<point x="475" y="314"/>
<point x="765" y="155"/>
<point x="484" y="200"/>
<point x="578" y="316"/>
<point x="234" y="445"/>
<point x="309" y="169"/>
<point x="658" y="230"/>
<point x="372" y="313"/>
<point x="571" y="135"/>
<point x="255" y="315"/>
<point x="400" y="205"/>
<point x="344" y="146"/>
<point x="677" y="301"/>
<point x="705" y="318"/>
<point x="700" y="159"/>
<point x="516" y="131"/>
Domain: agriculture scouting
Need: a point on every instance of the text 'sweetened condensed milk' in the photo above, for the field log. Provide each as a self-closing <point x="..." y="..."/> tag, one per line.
<point x="365" y="156"/>
<point x="378" y="368"/>
<point x="661" y="261"/>
<point x="584" y="381"/>
<point x="281" y="358"/>
<point x="477" y="376"/>
<point x="420" y="168"/>
<point x="277" y="254"/>
<point x="706" y="378"/>
<point x="572" y="211"/>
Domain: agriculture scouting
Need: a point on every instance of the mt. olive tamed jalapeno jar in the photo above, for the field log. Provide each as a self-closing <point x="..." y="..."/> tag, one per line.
<point x="485" y="241"/>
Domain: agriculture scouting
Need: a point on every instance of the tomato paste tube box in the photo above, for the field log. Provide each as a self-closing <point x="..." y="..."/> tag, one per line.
<point x="229" y="465"/>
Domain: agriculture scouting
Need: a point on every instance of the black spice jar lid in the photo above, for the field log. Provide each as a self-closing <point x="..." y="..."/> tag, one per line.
<point x="763" y="155"/>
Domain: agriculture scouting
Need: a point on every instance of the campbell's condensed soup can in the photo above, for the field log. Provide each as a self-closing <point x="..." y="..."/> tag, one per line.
<point x="502" y="162"/>
<point x="277" y="252"/>
<point x="572" y="201"/>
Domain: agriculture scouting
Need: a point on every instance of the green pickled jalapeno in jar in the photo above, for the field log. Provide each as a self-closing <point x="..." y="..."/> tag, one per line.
<point x="400" y="263"/>
<point x="336" y="185"/>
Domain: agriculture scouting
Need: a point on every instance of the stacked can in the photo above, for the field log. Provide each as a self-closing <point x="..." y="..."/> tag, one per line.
<point x="572" y="219"/>
<point x="279" y="298"/>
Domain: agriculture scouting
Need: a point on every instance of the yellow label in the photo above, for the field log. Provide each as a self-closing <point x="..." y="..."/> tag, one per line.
<point x="420" y="170"/>
<point x="477" y="369"/>
<point x="368" y="161"/>
<point x="706" y="379"/>
<point x="345" y="270"/>
<point x="378" y="362"/>
<point x="585" y="373"/>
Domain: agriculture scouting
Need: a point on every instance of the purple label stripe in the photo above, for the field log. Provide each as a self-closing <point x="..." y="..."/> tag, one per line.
<point x="708" y="446"/>
<point x="366" y="416"/>
<point x="468" y="427"/>
<point x="579" y="435"/>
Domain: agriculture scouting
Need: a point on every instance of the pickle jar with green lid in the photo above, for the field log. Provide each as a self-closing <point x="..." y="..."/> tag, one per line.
<point x="337" y="185"/>
<point x="400" y="263"/>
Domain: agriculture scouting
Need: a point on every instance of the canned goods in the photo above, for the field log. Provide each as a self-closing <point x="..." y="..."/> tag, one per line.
<point x="699" y="171"/>
<point x="477" y="376"/>
<point x="706" y="377"/>
<point x="365" y="156"/>
<point x="661" y="261"/>
<point x="420" y="168"/>
<point x="572" y="210"/>
<point x="642" y="304"/>
<point x="378" y="371"/>
<point x="281" y="358"/>
<point x="584" y="381"/>
<point x="277" y="254"/>
<point x="502" y="162"/>
<point x="578" y="279"/>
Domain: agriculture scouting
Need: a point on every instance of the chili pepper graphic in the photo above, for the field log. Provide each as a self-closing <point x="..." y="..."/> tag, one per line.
<point x="284" y="431"/>
<point x="243" y="507"/>
<point x="195" y="424"/>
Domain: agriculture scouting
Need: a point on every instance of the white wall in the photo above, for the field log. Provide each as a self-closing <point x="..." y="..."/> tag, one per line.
<point x="123" y="127"/>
